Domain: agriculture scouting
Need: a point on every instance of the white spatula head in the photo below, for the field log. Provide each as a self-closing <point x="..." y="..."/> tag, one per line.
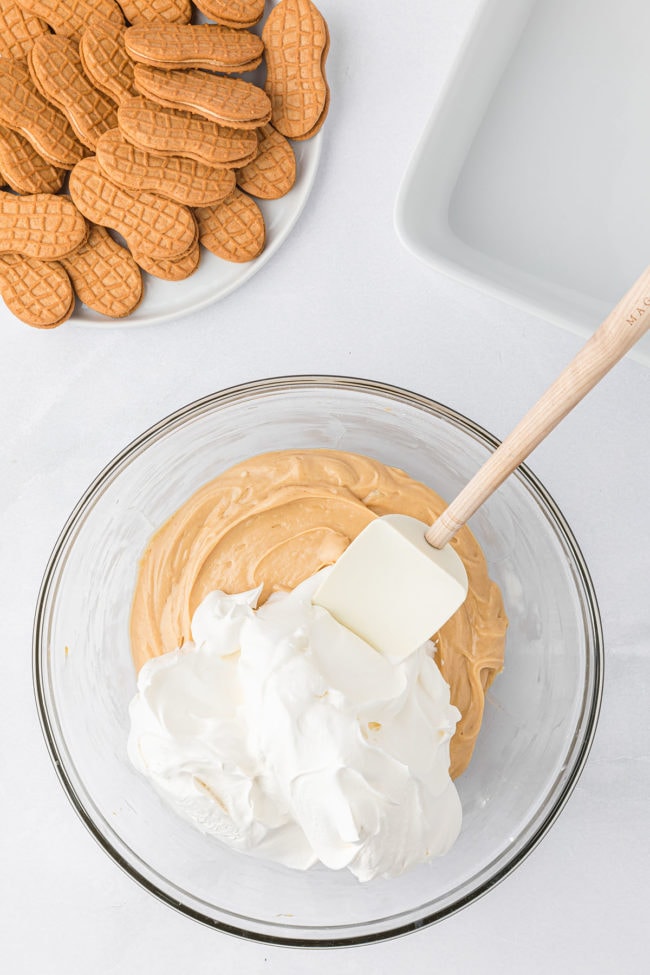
<point x="392" y="588"/>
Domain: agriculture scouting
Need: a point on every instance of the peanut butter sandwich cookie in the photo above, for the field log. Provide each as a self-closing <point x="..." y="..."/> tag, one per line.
<point x="56" y="67"/>
<point x="69" y="18"/>
<point x="233" y="230"/>
<point x="104" y="275"/>
<point x="23" y="109"/>
<point x="232" y="13"/>
<point x="166" y="146"/>
<point x="178" y="178"/>
<point x="38" y="293"/>
<point x="23" y="169"/>
<point x="176" y="270"/>
<point x="158" y="11"/>
<point x="18" y="28"/>
<point x="105" y="61"/>
<point x="194" y="46"/>
<point x="296" y="42"/>
<point x="151" y="225"/>
<point x="43" y="226"/>
<point x="273" y="171"/>
<point x="176" y="133"/>
<point x="228" y="101"/>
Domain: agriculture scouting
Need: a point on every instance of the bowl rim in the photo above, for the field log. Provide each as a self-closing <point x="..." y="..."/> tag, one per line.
<point x="325" y="382"/>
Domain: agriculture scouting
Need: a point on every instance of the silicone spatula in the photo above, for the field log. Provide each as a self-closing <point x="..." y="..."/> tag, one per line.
<point x="400" y="580"/>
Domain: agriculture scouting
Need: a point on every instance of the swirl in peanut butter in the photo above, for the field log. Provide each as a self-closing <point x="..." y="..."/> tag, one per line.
<point x="280" y="517"/>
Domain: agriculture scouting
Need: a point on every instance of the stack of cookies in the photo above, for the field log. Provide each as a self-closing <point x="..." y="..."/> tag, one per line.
<point x="146" y="130"/>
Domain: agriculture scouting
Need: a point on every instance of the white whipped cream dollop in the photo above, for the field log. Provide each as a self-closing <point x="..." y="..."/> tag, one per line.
<point x="286" y="736"/>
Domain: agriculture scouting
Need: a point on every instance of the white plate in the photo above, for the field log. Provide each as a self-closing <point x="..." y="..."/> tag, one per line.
<point x="531" y="179"/>
<point x="216" y="278"/>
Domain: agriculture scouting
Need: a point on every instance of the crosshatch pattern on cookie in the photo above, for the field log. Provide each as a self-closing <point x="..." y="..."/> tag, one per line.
<point x="178" y="178"/>
<point x="23" y="108"/>
<point x="25" y="171"/>
<point x="296" y="42"/>
<point x="194" y="46"/>
<point x="232" y="13"/>
<point x="43" y="226"/>
<point x="18" y="28"/>
<point x="273" y="171"/>
<point x="56" y="66"/>
<point x="227" y="101"/>
<point x="69" y="18"/>
<point x="105" y="275"/>
<point x="38" y="293"/>
<point x="233" y="230"/>
<point x="105" y="62"/>
<point x="177" y="270"/>
<point x="174" y="132"/>
<point x="150" y="224"/>
<point x="146" y="11"/>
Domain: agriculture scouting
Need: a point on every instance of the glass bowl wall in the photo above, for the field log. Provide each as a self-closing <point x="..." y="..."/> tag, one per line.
<point x="540" y="713"/>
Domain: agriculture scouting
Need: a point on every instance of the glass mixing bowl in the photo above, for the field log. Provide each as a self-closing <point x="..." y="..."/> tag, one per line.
<point x="540" y="714"/>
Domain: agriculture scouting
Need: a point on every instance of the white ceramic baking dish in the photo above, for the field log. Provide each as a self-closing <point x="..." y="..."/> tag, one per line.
<point x="532" y="177"/>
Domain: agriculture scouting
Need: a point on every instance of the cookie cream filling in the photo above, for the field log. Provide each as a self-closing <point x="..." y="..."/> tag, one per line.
<point x="283" y="734"/>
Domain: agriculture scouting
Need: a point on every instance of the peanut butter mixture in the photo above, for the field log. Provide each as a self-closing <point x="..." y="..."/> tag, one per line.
<point x="280" y="517"/>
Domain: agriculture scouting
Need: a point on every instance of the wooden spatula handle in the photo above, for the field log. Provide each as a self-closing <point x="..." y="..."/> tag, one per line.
<point x="622" y="328"/>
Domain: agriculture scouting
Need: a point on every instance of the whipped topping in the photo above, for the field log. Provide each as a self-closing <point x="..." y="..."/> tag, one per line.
<point x="286" y="736"/>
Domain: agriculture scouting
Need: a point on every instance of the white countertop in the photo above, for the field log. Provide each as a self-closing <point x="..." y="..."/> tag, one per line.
<point x="341" y="296"/>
